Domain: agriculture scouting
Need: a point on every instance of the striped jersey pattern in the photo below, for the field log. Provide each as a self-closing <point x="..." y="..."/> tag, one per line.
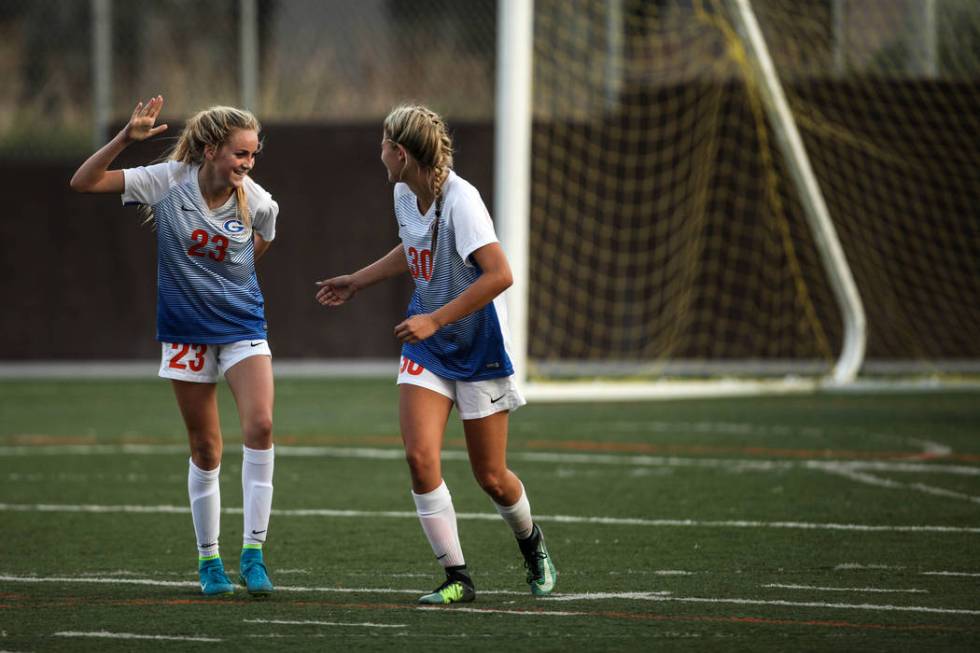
<point x="207" y="289"/>
<point x="475" y="347"/>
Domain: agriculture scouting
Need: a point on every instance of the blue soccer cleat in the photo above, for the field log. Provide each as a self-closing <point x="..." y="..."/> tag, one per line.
<point x="214" y="580"/>
<point x="254" y="576"/>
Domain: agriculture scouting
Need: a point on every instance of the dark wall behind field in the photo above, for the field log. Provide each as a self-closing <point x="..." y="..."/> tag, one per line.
<point x="78" y="272"/>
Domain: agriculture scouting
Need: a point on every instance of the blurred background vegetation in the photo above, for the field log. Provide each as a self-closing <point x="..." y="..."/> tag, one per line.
<point x="336" y="61"/>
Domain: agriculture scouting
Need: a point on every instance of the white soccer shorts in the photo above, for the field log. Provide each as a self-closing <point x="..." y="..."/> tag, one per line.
<point x="207" y="363"/>
<point x="473" y="399"/>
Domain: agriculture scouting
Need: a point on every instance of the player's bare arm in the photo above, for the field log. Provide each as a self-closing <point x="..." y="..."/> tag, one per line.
<point x="495" y="279"/>
<point x="337" y="290"/>
<point x="261" y="246"/>
<point x="93" y="176"/>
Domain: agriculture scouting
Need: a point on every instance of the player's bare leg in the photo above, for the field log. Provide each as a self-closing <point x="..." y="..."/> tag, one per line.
<point x="252" y="385"/>
<point x="198" y="404"/>
<point x="486" y="442"/>
<point x="423" y="414"/>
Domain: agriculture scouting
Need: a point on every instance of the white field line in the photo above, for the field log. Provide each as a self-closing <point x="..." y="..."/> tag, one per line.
<point x="105" y="634"/>
<point x="286" y="622"/>
<point x="931" y="448"/>
<point x="650" y="596"/>
<point x="816" y="588"/>
<point x="893" y="466"/>
<point x="951" y="573"/>
<point x="190" y="583"/>
<point x="601" y="596"/>
<point x="374" y="453"/>
<point x="821" y="604"/>
<point x="525" y="613"/>
<point x="742" y="429"/>
<point x="847" y="471"/>
<point x="642" y="596"/>
<point x="562" y="519"/>
<point x="858" y="565"/>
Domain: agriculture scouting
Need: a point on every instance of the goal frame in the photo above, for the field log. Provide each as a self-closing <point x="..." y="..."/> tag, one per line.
<point x="512" y="169"/>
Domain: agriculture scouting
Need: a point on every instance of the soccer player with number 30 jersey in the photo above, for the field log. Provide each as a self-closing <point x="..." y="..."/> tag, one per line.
<point x="212" y="222"/>
<point x="454" y="343"/>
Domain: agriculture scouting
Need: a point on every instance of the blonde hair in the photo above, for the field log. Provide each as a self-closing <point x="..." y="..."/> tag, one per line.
<point x="423" y="133"/>
<point x="214" y="127"/>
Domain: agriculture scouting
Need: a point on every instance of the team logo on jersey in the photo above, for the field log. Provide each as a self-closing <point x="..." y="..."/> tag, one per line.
<point x="233" y="226"/>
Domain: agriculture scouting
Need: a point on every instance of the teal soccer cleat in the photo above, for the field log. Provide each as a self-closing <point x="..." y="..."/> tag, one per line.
<point x="458" y="588"/>
<point x="253" y="573"/>
<point x="541" y="573"/>
<point x="214" y="580"/>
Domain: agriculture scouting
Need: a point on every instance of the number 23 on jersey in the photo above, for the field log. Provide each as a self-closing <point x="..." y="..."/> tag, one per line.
<point x="201" y="238"/>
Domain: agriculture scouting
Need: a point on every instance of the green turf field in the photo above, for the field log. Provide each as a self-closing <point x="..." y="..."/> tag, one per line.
<point x="830" y="522"/>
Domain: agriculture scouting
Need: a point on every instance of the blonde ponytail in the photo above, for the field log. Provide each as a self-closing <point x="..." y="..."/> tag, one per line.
<point x="242" y="209"/>
<point x="424" y="134"/>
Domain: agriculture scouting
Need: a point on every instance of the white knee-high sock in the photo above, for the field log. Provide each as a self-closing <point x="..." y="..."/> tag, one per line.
<point x="205" y="496"/>
<point x="257" y="466"/>
<point x="438" y="517"/>
<point x="517" y="516"/>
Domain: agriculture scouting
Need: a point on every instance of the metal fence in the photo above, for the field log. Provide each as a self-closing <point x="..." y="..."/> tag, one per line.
<point x="72" y="68"/>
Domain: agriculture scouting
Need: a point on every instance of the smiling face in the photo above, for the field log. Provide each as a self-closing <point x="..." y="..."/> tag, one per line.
<point x="235" y="158"/>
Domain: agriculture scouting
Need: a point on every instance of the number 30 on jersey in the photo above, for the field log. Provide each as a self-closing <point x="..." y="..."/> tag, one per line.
<point x="420" y="263"/>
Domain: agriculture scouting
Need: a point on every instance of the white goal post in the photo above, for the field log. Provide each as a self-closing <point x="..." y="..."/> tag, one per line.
<point x="512" y="208"/>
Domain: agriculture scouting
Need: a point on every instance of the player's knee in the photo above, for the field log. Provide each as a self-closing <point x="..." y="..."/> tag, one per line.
<point x="421" y="463"/>
<point x="258" y="429"/>
<point x="205" y="452"/>
<point x="491" y="482"/>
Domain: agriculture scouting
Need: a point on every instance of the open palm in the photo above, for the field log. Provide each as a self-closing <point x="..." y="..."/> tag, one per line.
<point x="141" y="123"/>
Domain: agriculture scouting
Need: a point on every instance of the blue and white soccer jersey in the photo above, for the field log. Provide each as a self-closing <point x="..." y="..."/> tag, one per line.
<point x="476" y="347"/>
<point x="207" y="290"/>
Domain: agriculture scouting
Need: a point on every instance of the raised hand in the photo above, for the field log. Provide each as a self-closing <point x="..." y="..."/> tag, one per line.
<point x="140" y="126"/>
<point x="336" y="291"/>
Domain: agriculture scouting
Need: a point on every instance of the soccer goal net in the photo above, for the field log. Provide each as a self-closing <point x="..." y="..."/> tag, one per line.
<point x="741" y="194"/>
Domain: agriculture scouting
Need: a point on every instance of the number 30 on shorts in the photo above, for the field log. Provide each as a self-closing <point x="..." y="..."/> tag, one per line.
<point x="181" y="361"/>
<point x="411" y="366"/>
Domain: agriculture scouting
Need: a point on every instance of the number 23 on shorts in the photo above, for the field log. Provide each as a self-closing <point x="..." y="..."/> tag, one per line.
<point x="180" y="359"/>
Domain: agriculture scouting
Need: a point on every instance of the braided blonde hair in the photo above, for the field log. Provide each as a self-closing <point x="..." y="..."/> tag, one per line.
<point x="213" y="126"/>
<point x="424" y="134"/>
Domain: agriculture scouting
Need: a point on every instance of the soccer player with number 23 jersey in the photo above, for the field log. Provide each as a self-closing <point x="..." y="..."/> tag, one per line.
<point x="212" y="222"/>
<point x="454" y="343"/>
